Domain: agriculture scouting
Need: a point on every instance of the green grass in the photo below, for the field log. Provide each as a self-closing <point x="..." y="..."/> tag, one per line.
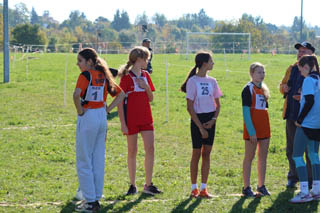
<point x="37" y="140"/>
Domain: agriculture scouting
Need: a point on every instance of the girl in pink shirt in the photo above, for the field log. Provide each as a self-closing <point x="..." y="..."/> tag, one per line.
<point x="203" y="106"/>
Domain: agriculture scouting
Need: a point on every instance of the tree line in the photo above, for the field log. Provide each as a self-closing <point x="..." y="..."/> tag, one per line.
<point x="28" y="27"/>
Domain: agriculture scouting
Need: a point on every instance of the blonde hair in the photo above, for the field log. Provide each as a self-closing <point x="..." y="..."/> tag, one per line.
<point x="264" y="87"/>
<point x="135" y="53"/>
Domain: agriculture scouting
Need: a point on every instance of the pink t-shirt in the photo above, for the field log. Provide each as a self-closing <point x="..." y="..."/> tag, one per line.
<point x="203" y="91"/>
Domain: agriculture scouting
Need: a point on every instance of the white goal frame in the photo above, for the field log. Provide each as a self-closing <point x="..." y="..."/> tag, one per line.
<point x="227" y="34"/>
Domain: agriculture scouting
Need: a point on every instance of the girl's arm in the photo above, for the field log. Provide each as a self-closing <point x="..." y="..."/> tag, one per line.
<point x="124" y="127"/>
<point x="77" y="102"/>
<point x="116" y="101"/>
<point x="306" y="108"/>
<point x="248" y="122"/>
<point x="195" y="119"/>
<point x="209" y="124"/>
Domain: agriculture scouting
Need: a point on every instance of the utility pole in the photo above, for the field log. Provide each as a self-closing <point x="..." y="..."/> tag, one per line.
<point x="6" y="71"/>
<point x="301" y="24"/>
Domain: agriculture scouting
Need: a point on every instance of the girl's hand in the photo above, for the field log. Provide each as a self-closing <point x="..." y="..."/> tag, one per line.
<point x="141" y="83"/>
<point x="253" y="139"/>
<point x="297" y="124"/>
<point x="296" y="97"/>
<point x="209" y="124"/>
<point x="204" y="133"/>
<point x="82" y="112"/>
<point x="124" y="129"/>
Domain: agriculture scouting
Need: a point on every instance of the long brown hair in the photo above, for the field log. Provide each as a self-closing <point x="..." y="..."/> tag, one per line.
<point x="264" y="87"/>
<point x="311" y="60"/>
<point x="201" y="57"/>
<point x="100" y="65"/>
<point x="135" y="53"/>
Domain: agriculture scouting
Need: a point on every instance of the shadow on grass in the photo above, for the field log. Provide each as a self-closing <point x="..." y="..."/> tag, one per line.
<point x="68" y="207"/>
<point x="127" y="207"/>
<point x="182" y="205"/>
<point x="112" y="115"/>
<point x="252" y="207"/>
<point x="282" y="204"/>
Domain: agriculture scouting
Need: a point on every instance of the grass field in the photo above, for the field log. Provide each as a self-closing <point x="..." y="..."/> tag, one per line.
<point x="37" y="140"/>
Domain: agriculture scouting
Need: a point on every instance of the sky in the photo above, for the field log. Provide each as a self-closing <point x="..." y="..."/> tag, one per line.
<point x="278" y="12"/>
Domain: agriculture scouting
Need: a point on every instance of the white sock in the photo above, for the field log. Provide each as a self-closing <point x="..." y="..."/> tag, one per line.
<point x="194" y="186"/>
<point x="316" y="186"/>
<point x="203" y="186"/>
<point x="304" y="187"/>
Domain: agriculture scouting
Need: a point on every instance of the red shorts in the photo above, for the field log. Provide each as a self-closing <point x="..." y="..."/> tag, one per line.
<point x="134" y="129"/>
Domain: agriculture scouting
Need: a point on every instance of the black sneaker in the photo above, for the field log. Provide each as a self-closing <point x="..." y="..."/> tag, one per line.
<point x="151" y="190"/>
<point x="247" y="192"/>
<point x="132" y="190"/>
<point x="263" y="191"/>
<point x="88" y="207"/>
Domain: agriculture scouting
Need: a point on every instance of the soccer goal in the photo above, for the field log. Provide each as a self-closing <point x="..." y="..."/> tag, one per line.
<point x="225" y="43"/>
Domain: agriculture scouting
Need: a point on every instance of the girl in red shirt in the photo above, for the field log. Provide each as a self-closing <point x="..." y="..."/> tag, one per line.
<point x="136" y="117"/>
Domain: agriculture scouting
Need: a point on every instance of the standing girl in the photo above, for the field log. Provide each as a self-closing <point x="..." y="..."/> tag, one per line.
<point x="203" y="105"/>
<point x="256" y="128"/>
<point x="308" y="130"/>
<point x="93" y="85"/>
<point x="136" y="117"/>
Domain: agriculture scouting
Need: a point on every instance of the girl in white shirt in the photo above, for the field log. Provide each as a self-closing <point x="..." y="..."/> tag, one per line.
<point x="203" y="106"/>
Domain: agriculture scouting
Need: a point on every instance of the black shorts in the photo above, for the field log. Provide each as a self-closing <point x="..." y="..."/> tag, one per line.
<point x="197" y="140"/>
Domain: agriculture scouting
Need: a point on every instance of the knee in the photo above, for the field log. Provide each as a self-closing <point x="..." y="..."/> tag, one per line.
<point x="205" y="154"/>
<point x="132" y="153"/>
<point x="299" y="161"/>
<point x="314" y="158"/>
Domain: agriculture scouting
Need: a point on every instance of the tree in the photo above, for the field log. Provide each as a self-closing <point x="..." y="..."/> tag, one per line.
<point x="142" y="19"/>
<point x="121" y="21"/>
<point x="127" y="37"/>
<point x="34" y="18"/>
<point x="159" y="19"/>
<point x="20" y="15"/>
<point x="29" y="34"/>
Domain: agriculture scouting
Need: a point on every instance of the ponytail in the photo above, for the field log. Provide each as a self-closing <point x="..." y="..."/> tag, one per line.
<point x="192" y="72"/>
<point x="124" y="70"/>
<point x="102" y="66"/>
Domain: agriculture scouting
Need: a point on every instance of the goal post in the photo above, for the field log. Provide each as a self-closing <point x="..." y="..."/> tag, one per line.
<point x="222" y="34"/>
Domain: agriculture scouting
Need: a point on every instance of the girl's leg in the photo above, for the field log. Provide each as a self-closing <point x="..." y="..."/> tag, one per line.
<point x="313" y="154"/>
<point x="205" y="167"/>
<point x="250" y="149"/>
<point x="132" y="155"/>
<point x="148" y="141"/>
<point x="196" y="153"/>
<point x="263" y="146"/>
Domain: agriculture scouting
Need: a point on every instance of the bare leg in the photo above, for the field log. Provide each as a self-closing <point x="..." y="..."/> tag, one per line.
<point x="132" y="155"/>
<point x="263" y="146"/>
<point x="205" y="167"/>
<point x="196" y="153"/>
<point x="250" y="149"/>
<point x="148" y="141"/>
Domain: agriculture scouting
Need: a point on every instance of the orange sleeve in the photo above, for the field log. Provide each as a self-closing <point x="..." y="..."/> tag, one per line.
<point x="285" y="78"/>
<point x="82" y="83"/>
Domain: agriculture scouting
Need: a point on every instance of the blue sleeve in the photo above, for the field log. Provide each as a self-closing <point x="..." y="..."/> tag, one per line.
<point x="248" y="121"/>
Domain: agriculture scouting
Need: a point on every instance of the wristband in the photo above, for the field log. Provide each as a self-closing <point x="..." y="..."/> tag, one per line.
<point x="213" y="118"/>
<point x="81" y="113"/>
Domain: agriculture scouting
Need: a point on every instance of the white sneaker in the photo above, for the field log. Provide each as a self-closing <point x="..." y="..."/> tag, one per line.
<point x="315" y="195"/>
<point x="302" y="198"/>
<point x="79" y="195"/>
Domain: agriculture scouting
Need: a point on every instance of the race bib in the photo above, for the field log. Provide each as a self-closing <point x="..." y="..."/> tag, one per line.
<point x="136" y="85"/>
<point x="261" y="102"/>
<point x="204" y="89"/>
<point x="95" y="93"/>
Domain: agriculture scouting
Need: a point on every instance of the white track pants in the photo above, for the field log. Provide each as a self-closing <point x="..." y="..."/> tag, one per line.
<point x="90" y="152"/>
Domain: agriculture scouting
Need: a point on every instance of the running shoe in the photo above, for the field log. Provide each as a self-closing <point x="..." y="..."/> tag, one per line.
<point x="247" y="192"/>
<point x="195" y="193"/>
<point x="151" y="190"/>
<point x="205" y="194"/>
<point x="302" y="198"/>
<point x="88" y="207"/>
<point x="262" y="191"/>
<point x="132" y="190"/>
